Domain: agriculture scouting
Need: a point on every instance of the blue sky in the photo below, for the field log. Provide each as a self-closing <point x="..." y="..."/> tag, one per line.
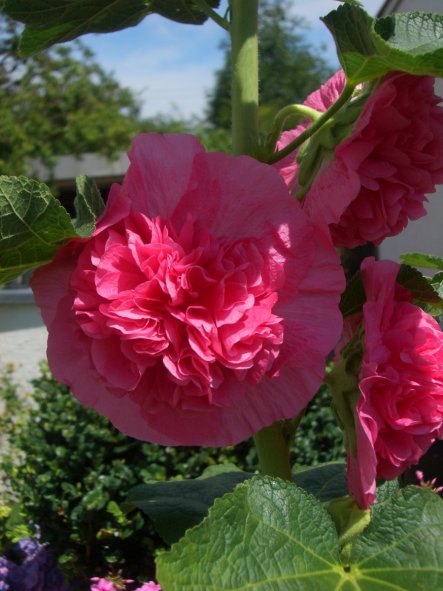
<point x="171" y="66"/>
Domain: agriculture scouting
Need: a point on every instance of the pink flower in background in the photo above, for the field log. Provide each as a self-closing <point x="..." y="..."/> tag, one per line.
<point x="100" y="584"/>
<point x="431" y="484"/>
<point x="151" y="586"/>
<point x="204" y="304"/>
<point x="400" y="410"/>
<point x="380" y="174"/>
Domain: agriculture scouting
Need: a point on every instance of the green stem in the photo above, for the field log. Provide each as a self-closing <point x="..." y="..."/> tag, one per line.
<point x="304" y="110"/>
<point x="342" y="99"/>
<point x="272" y="445"/>
<point x="244" y="40"/>
<point x="204" y="7"/>
<point x="283" y="114"/>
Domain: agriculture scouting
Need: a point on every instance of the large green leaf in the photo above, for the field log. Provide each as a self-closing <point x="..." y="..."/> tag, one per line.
<point x="182" y="11"/>
<point x="325" y="482"/>
<point x="420" y="287"/>
<point x="369" y="48"/>
<point x="33" y="225"/>
<point x="402" y="548"/>
<point x="177" y="505"/>
<point x="269" y="535"/>
<point x="88" y="204"/>
<point x="54" y="21"/>
<point x="420" y="259"/>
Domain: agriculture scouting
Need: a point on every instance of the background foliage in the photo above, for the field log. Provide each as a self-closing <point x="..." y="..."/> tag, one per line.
<point x="69" y="471"/>
<point x="59" y="102"/>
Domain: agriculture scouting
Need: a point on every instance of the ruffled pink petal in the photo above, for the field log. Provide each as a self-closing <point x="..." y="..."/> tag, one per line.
<point x="202" y="327"/>
<point x="160" y="172"/>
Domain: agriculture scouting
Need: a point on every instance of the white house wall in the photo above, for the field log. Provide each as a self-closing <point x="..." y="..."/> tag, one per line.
<point x="425" y="234"/>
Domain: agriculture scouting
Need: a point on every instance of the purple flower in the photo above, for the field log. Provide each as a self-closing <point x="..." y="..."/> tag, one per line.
<point x="28" y="566"/>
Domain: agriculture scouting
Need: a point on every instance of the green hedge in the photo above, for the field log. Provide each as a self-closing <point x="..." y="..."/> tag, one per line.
<point x="70" y="471"/>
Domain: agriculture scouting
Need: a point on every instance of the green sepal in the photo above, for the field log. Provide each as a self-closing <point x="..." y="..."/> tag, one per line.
<point x="350" y="521"/>
<point x="369" y="48"/>
<point x="353" y="297"/>
<point x="319" y="149"/>
<point x="343" y="383"/>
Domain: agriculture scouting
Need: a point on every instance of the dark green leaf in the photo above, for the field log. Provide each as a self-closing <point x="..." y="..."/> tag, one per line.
<point x="325" y="482"/>
<point x="269" y="535"/>
<point x="369" y="48"/>
<point x="419" y="286"/>
<point x="437" y="283"/>
<point x="182" y="11"/>
<point x="51" y="21"/>
<point x="177" y="505"/>
<point x="419" y="259"/>
<point x="353" y="297"/>
<point x="33" y="225"/>
<point x="88" y="205"/>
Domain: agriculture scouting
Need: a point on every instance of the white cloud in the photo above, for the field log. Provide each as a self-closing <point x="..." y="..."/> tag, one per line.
<point x="171" y="67"/>
<point x="166" y="89"/>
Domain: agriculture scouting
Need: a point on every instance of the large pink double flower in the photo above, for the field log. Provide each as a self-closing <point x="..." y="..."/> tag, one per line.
<point x="400" y="410"/>
<point x="380" y="174"/>
<point x="204" y="304"/>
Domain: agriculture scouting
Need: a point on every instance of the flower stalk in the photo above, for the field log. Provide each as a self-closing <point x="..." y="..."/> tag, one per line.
<point x="272" y="442"/>
<point x="244" y="42"/>
<point x="272" y="445"/>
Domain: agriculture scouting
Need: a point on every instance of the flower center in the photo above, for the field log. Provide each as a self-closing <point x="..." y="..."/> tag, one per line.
<point x="189" y="305"/>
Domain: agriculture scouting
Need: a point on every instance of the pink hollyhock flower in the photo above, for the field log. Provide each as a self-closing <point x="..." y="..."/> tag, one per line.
<point x="204" y="304"/>
<point x="400" y="410"/>
<point x="380" y="174"/>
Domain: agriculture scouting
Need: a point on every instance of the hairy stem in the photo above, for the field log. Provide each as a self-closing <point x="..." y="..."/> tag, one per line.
<point x="244" y="40"/>
<point x="342" y="99"/>
<point x="272" y="445"/>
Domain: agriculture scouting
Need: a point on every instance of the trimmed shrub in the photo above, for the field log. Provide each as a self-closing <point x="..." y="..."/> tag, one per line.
<point x="71" y="470"/>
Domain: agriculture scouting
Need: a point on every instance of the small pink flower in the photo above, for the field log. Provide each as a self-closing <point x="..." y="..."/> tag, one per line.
<point x="400" y="410"/>
<point x="380" y="174"/>
<point x="428" y="483"/>
<point x="151" y="586"/>
<point x="102" y="585"/>
<point x="204" y="304"/>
